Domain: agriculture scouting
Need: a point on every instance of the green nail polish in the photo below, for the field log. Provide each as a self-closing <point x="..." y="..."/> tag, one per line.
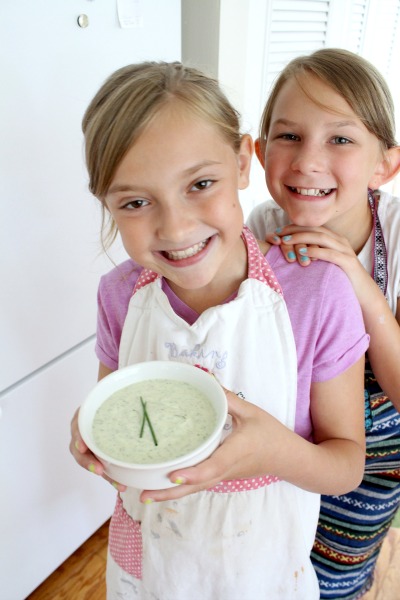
<point x="278" y="229"/>
<point x="92" y="468"/>
<point x="291" y="255"/>
<point x="286" y="238"/>
<point x="303" y="250"/>
<point x="304" y="258"/>
<point x="179" y="480"/>
<point x="148" y="501"/>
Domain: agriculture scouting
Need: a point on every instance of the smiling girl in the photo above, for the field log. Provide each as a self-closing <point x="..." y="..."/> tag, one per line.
<point x="327" y="142"/>
<point x="166" y="159"/>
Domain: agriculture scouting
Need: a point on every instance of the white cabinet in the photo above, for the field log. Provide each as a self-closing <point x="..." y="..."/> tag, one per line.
<point x="48" y="505"/>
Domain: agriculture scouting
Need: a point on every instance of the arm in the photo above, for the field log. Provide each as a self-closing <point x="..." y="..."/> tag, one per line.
<point x="384" y="349"/>
<point x="380" y="323"/>
<point x="260" y="444"/>
<point x="80" y="451"/>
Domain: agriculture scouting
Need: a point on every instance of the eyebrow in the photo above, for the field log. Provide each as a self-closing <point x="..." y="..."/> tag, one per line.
<point x="123" y="187"/>
<point x="288" y="123"/>
<point x="201" y="165"/>
<point x="113" y="189"/>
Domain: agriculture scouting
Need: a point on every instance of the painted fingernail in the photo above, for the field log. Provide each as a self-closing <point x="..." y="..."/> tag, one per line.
<point x="179" y="480"/>
<point x="275" y="238"/>
<point x="92" y="468"/>
<point x="303" y="250"/>
<point x="291" y="255"/>
<point x="148" y="501"/>
<point x="76" y="444"/>
<point x="304" y="258"/>
<point x="286" y="238"/>
<point x="278" y="229"/>
<point x="115" y="484"/>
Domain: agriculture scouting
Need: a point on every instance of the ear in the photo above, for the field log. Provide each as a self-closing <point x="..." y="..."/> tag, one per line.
<point x="387" y="169"/>
<point x="259" y="146"/>
<point x="244" y="161"/>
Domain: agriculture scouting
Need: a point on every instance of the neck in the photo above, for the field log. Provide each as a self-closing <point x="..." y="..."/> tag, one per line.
<point x="226" y="282"/>
<point x="356" y="227"/>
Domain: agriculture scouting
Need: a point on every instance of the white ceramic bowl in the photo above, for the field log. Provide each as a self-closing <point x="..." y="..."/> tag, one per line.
<point x="152" y="476"/>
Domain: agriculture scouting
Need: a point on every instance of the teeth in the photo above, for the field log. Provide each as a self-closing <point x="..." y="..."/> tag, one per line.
<point x="187" y="252"/>
<point x="311" y="191"/>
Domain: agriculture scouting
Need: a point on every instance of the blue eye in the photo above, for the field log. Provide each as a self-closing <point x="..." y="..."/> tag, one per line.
<point x="340" y="140"/>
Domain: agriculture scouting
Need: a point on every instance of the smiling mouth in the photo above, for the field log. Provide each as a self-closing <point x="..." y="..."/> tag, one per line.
<point x="316" y="192"/>
<point x="186" y="252"/>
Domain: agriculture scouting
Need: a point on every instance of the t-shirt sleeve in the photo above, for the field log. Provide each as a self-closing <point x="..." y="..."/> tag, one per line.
<point x="113" y="296"/>
<point x="265" y="218"/>
<point x="342" y="339"/>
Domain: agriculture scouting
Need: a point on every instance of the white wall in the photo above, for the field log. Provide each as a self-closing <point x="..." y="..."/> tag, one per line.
<point x="50" y="265"/>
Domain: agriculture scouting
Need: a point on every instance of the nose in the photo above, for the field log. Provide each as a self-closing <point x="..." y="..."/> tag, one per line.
<point x="309" y="158"/>
<point x="175" y="223"/>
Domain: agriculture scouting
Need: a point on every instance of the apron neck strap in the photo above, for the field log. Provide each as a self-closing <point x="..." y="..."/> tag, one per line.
<point x="258" y="266"/>
<point x="379" y="253"/>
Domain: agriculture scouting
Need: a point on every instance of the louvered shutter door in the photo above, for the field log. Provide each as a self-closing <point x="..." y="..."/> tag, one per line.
<point x="297" y="27"/>
<point x="294" y="28"/>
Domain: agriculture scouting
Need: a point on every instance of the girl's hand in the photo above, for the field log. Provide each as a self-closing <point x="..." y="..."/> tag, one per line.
<point x="246" y="452"/>
<point x="84" y="457"/>
<point x="305" y="244"/>
<point x="259" y="444"/>
<point x="291" y="252"/>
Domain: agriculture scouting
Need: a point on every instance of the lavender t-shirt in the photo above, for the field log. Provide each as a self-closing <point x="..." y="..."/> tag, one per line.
<point x="325" y="315"/>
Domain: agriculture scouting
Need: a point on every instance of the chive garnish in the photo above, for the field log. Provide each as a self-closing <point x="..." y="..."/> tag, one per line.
<point x="144" y="416"/>
<point x="147" y="418"/>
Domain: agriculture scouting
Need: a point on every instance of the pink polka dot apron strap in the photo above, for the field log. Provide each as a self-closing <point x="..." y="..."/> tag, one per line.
<point x="379" y="252"/>
<point x="244" y="485"/>
<point x="146" y="276"/>
<point x="259" y="268"/>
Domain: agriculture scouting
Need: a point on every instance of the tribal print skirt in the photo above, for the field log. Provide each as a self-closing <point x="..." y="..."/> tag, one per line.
<point x="352" y="527"/>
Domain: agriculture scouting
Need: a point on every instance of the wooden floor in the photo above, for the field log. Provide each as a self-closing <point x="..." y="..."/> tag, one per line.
<point x="387" y="575"/>
<point x="81" y="576"/>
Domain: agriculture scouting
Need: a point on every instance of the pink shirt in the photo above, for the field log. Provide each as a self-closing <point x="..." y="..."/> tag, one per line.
<point x="325" y="315"/>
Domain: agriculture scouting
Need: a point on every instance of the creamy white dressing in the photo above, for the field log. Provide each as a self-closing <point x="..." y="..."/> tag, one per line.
<point x="182" y="418"/>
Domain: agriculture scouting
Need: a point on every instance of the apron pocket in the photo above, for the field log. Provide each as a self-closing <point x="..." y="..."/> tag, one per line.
<point x="125" y="541"/>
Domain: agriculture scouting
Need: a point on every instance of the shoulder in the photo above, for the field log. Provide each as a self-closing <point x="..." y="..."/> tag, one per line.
<point x="320" y="277"/>
<point x="114" y="293"/>
<point x="389" y="216"/>
<point x="122" y="276"/>
<point x="325" y="314"/>
<point x="389" y="212"/>
<point x="265" y="218"/>
<point x="321" y="290"/>
<point x="116" y="287"/>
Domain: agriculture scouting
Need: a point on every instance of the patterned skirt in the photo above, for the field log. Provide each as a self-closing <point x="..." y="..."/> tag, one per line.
<point x="352" y="527"/>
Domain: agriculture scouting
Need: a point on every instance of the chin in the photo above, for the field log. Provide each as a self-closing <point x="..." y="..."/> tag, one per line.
<point x="308" y="222"/>
<point x="308" y="218"/>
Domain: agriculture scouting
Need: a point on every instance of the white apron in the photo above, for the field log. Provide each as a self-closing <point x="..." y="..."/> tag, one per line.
<point x="245" y="539"/>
